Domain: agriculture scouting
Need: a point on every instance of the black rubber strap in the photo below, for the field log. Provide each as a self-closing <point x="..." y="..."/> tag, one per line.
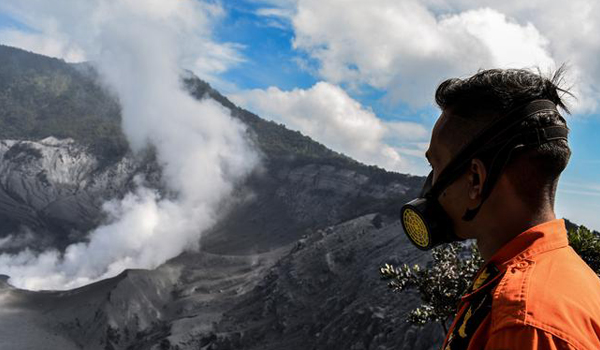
<point x="491" y="135"/>
<point x="542" y="135"/>
<point x="535" y="137"/>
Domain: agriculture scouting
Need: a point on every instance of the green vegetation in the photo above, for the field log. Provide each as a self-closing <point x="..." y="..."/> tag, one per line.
<point x="587" y="244"/>
<point x="443" y="281"/>
<point x="440" y="284"/>
<point x="43" y="97"/>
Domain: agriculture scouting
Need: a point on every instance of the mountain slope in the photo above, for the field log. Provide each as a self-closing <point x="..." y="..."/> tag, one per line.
<point x="67" y="101"/>
<point x="295" y="256"/>
<point x="42" y="96"/>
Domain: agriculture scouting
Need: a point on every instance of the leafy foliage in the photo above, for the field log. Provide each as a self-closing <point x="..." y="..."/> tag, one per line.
<point x="42" y="96"/>
<point x="440" y="285"/>
<point x="587" y="244"/>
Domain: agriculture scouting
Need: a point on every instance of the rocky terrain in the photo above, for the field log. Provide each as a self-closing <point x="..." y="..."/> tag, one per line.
<point x="51" y="186"/>
<point x="293" y="267"/>
<point x="322" y="292"/>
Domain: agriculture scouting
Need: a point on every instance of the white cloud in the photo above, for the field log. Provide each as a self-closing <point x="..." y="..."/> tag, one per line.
<point x="58" y="31"/>
<point x="327" y="114"/>
<point x="405" y="131"/>
<point x="578" y="201"/>
<point x="406" y="47"/>
<point x="571" y="28"/>
<point x="53" y="46"/>
<point x="274" y="12"/>
<point x="402" y="47"/>
<point x="586" y="188"/>
<point x="275" y="17"/>
<point x="508" y="43"/>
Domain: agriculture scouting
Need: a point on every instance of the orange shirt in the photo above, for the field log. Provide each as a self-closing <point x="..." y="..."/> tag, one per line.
<point x="534" y="293"/>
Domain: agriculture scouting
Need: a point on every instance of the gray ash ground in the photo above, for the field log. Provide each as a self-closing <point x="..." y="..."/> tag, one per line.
<point x="321" y="292"/>
<point x="291" y="264"/>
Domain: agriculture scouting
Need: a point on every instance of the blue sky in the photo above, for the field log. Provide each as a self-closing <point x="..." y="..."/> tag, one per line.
<point x="294" y="56"/>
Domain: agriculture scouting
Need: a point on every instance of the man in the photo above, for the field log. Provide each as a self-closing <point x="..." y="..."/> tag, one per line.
<point x="496" y="152"/>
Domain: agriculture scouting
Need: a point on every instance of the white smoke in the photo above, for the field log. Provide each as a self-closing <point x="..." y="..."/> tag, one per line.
<point x="139" y="47"/>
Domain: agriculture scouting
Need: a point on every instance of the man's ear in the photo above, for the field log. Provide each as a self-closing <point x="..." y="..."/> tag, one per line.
<point x="476" y="178"/>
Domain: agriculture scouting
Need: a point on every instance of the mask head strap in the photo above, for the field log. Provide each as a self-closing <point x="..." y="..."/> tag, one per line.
<point x="500" y="135"/>
<point x="535" y="137"/>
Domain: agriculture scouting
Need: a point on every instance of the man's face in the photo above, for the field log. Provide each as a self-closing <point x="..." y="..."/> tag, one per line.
<point x="454" y="199"/>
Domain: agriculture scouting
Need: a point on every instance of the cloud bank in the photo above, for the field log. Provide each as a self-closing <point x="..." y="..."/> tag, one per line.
<point x="404" y="48"/>
<point x="326" y="113"/>
<point x="57" y="29"/>
<point x="139" y="46"/>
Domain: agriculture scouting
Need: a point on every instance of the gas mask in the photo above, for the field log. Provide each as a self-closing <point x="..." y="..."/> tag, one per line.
<point x="424" y="220"/>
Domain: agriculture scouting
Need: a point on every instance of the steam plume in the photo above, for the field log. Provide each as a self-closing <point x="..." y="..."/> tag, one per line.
<point x="138" y="47"/>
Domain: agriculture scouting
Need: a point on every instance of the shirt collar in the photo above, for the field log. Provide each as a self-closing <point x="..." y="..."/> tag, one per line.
<point x="535" y="240"/>
<point x="546" y="236"/>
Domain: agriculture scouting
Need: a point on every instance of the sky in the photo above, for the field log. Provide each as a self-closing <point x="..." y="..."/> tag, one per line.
<point x="359" y="76"/>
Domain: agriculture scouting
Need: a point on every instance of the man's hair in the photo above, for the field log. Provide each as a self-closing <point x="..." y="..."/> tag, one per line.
<point x="473" y="103"/>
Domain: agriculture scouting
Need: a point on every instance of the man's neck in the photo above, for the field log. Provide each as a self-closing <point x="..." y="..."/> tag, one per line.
<point x="507" y="229"/>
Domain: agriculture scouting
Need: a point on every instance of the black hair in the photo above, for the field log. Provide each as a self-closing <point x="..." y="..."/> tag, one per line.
<point x="474" y="102"/>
